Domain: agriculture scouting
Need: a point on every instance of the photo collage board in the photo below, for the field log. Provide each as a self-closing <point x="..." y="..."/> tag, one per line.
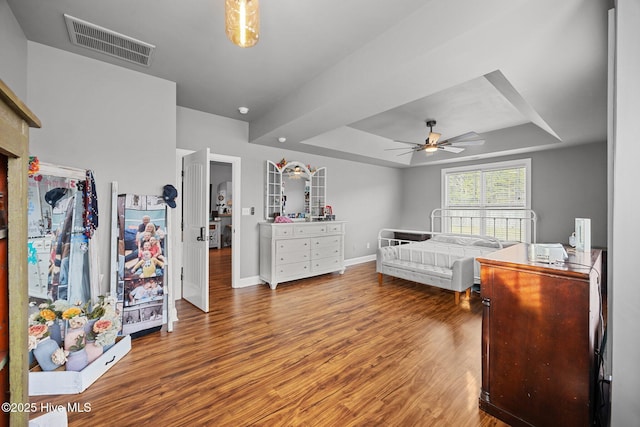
<point x="142" y="225"/>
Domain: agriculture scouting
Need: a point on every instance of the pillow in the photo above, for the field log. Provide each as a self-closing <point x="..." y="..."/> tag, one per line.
<point x="466" y="240"/>
<point x="487" y="243"/>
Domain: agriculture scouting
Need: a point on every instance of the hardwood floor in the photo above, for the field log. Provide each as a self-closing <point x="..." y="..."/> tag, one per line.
<point x="327" y="351"/>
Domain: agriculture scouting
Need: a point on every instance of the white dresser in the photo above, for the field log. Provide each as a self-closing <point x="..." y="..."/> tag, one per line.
<point x="292" y="251"/>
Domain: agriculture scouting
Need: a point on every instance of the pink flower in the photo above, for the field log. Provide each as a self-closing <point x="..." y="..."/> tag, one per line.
<point x="102" y="325"/>
<point x="38" y="331"/>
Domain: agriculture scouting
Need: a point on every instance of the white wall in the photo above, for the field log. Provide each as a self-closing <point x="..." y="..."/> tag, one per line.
<point x="567" y="183"/>
<point x="626" y="205"/>
<point x="119" y="123"/>
<point x="365" y="196"/>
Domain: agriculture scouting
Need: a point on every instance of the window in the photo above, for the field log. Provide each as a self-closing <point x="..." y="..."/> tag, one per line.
<point x="490" y="199"/>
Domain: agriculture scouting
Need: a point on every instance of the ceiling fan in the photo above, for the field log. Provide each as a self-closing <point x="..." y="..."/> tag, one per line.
<point x="433" y="143"/>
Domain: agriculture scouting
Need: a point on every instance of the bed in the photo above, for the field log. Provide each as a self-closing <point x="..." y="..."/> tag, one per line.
<point x="444" y="256"/>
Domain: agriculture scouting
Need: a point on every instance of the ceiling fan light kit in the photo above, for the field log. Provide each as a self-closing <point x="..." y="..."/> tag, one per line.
<point x="431" y="148"/>
<point x="242" y="21"/>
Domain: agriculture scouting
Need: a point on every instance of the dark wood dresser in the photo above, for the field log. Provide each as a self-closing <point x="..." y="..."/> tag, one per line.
<point x="540" y="328"/>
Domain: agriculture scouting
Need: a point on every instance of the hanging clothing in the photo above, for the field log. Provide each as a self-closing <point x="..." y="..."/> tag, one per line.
<point x="90" y="198"/>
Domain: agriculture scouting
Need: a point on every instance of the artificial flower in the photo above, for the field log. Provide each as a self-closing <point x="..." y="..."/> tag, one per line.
<point x="32" y="342"/>
<point x="106" y="330"/>
<point x="71" y="312"/>
<point x="59" y="356"/>
<point x="100" y="308"/>
<point x="48" y="315"/>
<point x="38" y="331"/>
<point x="59" y="306"/>
<point x="48" y="312"/>
<point x="34" y="165"/>
<point x="102" y="325"/>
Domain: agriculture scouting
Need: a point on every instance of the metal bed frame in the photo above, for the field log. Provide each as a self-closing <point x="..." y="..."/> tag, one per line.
<point x="504" y="224"/>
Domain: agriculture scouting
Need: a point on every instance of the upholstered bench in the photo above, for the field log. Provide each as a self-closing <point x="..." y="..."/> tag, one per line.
<point x="446" y="261"/>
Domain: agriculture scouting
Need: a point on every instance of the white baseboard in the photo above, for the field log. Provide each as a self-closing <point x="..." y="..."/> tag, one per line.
<point x="359" y="260"/>
<point x="255" y="280"/>
<point x="245" y="282"/>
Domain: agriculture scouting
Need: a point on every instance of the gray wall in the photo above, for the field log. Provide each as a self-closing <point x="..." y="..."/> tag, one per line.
<point x="13" y="52"/>
<point x="567" y="183"/>
<point x="119" y="123"/>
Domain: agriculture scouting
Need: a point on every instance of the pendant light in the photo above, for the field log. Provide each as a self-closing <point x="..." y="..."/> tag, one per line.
<point x="242" y="21"/>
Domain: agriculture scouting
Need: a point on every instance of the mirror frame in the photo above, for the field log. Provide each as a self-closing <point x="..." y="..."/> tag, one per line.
<point x="275" y="192"/>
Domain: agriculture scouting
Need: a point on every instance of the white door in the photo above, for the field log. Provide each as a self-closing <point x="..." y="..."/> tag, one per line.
<point x="195" y="254"/>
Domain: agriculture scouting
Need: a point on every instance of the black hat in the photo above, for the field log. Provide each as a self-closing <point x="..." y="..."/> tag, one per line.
<point x="53" y="196"/>
<point x="169" y="194"/>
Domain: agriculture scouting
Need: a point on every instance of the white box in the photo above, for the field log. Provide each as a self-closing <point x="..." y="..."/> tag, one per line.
<point x="71" y="382"/>
<point x="583" y="235"/>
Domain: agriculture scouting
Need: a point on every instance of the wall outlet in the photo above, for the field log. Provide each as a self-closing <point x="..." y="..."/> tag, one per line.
<point x="368" y="245"/>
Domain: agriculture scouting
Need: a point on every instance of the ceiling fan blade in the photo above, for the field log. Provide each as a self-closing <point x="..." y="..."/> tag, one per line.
<point x="408" y="152"/>
<point x="399" y="148"/>
<point x="451" y="149"/>
<point x="469" y="143"/>
<point x="468" y="135"/>
<point x="406" y="142"/>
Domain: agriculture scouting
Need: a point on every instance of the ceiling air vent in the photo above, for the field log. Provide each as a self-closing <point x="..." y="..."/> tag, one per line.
<point x="94" y="37"/>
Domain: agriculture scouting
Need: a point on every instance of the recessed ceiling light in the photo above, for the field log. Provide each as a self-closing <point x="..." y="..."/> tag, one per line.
<point x="243" y="110"/>
<point x="282" y="139"/>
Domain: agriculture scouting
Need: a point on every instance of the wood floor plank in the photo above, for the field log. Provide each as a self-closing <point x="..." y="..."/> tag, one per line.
<point x="331" y="350"/>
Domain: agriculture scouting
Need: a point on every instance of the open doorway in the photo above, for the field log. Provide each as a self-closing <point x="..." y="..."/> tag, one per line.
<point x="220" y="224"/>
<point x="198" y="214"/>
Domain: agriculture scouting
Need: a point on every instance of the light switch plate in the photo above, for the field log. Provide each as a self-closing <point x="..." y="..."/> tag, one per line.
<point x="246" y="211"/>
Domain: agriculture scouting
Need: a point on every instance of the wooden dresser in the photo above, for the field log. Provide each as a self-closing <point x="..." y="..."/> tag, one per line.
<point x="291" y="251"/>
<point x="540" y="328"/>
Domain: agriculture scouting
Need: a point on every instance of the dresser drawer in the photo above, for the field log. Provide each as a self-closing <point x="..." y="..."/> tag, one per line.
<point x="328" y="241"/>
<point x="334" y="228"/>
<point x="294" y="269"/>
<point x="325" y="252"/>
<point x="291" y="257"/>
<point x="309" y="229"/>
<point x="293" y="245"/>
<point x="326" y="264"/>
<point x="283" y="231"/>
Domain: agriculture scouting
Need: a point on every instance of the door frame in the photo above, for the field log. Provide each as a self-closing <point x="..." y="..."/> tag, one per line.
<point x="235" y="218"/>
<point x="236" y="212"/>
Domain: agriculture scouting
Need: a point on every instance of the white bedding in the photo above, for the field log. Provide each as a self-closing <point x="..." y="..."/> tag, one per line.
<point x="459" y="246"/>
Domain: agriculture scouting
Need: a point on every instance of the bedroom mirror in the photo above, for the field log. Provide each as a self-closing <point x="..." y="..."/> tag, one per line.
<point x="58" y="251"/>
<point x="295" y="191"/>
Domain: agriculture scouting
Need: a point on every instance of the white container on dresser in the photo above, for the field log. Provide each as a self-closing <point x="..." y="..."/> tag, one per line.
<point x="291" y="251"/>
